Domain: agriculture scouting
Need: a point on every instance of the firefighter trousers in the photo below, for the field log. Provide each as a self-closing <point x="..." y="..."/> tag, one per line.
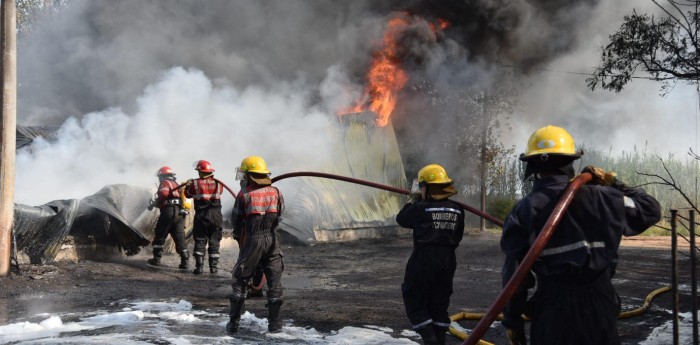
<point x="427" y="286"/>
<point x="266" y="252"/>
<point x="207" y="229"/>
<point x="170" y="222"/>
<point x="574" y="312"/>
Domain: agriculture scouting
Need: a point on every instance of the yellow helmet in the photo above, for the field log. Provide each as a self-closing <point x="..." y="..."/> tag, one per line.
<point x="550" y="140"/>
<point x="433" y="174"/>
<point x="254" y="164"/>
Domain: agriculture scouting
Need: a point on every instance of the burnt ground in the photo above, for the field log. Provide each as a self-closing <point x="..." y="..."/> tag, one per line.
<point x="328" y="285"/>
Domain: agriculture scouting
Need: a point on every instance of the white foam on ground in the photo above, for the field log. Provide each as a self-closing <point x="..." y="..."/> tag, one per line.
<point x="664" y="333"/>
<point x="146" y="322"/>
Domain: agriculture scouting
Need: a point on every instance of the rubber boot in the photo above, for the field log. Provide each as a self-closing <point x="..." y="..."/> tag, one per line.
<point x="199" y="264"/>
<point x="157" y="254"/>
<point x="213" y="265"/>
<point x="184" y="260"/>
<point x="428" y="335"/>
<point x="274" y="319"/>
<point x="237" y="306"/>
<point x="440" y="334"/>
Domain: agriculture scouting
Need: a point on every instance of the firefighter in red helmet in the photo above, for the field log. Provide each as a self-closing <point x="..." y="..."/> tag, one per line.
<point x="171" y="220"/>
<point x="208" y="221"/>
<point x="256" y="215"/>
<point x="438" y="228"/>
<point x="575" y="301"/>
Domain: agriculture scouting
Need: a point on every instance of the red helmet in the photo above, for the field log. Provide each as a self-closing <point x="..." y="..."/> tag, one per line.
<point x="166" y="170"/>
<point x="204" y="166"/>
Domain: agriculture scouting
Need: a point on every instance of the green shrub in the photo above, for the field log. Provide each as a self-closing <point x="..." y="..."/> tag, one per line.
<point x="499" y="207"/>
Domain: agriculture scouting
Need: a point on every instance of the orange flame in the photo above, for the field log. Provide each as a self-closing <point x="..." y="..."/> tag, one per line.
<point x="385" y="77"/>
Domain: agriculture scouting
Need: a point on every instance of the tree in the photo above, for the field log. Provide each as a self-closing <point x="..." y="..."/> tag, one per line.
<point x="666" y="48"/>
<point x="28" y="11"/>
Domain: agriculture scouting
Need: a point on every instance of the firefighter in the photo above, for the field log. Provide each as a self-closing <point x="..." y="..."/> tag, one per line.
<point x="208" y="220"/>
<point x="575" y="302"/>
<point x="438" y="227"/>
<point x="171" y="220"/>
<point x="255" y="217"/>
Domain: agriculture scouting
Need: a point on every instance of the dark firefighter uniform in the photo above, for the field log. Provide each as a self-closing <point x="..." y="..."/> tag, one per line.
<point x="208" y="220"/>
<point x="438" y="227"/>
<point x="170" y="222"/>
<point x="575" y="302"/>
<point x="256" y="215"/>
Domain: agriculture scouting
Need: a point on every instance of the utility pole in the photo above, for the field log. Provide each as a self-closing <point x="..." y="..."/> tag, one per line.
<point x="8" y="130"/>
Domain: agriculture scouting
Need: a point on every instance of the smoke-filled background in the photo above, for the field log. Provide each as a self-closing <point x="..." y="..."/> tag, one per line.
<point x="137" y="84"/>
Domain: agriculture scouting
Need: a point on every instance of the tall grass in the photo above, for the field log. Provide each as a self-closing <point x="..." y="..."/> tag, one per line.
<point x="637" y="168"/>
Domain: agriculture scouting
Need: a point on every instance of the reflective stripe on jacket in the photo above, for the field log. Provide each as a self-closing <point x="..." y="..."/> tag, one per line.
<point x="167" y="190"/>
<point x="204" y="189"/>
<point x="590" y="230"/>
<point x="433" y="222"/>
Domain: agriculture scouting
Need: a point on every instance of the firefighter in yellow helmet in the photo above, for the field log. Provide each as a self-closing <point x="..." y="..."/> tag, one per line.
<point x="255" y="217"/>
<point x="575" y="302"/>
<point x="438" y="227"/>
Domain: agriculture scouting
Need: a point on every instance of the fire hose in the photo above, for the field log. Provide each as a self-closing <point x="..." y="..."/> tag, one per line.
<point x="473" y="210"/>
<point x="461" y="333"/>
<point x="529" y="259"/>
<point x="521" y="272"/>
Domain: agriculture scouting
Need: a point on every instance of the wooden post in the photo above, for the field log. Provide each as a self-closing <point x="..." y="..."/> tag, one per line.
<point x="693" y="278"/>
<point x="674" y="274"/>
<point x="8" y="131"/>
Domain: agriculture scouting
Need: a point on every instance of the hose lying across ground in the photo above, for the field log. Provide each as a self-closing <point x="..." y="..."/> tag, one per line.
<point x="461" y="333"/>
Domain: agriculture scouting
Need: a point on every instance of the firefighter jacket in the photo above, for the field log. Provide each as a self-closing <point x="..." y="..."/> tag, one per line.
<point x="586" y="240"/>
<point x="168" y="193"/>
<point x="205" y="192"/>
<point x="257" y="212"/>
<point x="434" y="223"/>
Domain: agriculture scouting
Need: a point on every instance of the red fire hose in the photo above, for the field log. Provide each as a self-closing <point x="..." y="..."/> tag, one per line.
<point x="473" y="210"/>
<point x="529" y="259"/>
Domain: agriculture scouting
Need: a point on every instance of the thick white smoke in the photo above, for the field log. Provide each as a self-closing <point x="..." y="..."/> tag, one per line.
<point x="181" y="118"/>
<point x="136" y="84"/>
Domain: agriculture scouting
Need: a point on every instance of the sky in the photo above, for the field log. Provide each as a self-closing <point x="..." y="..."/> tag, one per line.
<point x="146" y="322"/>
<point x="135" y="85"/>
<point x="636" y="117"/>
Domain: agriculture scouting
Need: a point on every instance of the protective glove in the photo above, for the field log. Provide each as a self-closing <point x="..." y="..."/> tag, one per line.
<point x="414" y="198"/>
<point x="151" y="204"/>
<point x="600" y="176"/>
<point x="189" y="182"/>
<point x="516" y="336"/>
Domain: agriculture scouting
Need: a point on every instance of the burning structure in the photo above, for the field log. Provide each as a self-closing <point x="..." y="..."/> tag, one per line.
<point x="329" y="210"/>
<point x="412" y="45"/>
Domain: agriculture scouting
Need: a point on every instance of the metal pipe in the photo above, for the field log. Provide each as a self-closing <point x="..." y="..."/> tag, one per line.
<point x="473" y="210"/>
<point x="674" y="274"/>
<point x="529" y="259"/>
<point x="693" y="277"/>
<point x="8" y="131"/>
